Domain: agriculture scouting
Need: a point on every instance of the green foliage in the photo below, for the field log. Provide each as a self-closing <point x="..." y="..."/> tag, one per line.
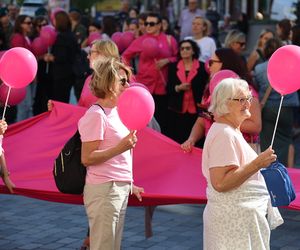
<point x="20" y="2"/>
<point x="83" y="4"/>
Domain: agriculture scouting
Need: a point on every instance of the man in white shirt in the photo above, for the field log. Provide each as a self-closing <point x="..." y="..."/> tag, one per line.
<point x="186" y="17"/>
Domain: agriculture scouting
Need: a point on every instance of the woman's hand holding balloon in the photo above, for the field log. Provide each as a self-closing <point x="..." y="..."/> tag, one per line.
<point x="265" y="158"/>
<point x="128" y="142"/>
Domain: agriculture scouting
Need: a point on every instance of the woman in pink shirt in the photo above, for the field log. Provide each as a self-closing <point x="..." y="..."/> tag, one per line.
<point x="153" y="66"/>
<point x="238" y="214"/>
<point x="106" y="145"/>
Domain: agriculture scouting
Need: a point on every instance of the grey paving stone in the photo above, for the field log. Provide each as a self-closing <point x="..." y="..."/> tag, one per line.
<point x="40" y="225"/>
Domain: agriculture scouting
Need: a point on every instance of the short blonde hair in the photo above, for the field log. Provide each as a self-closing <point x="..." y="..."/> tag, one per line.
<point x="233" y="36"/>
<point x="106" y="48"/>
<point x="227" y="89"/>
<point x="106" y="71"/>
<point x="205" y="23"/>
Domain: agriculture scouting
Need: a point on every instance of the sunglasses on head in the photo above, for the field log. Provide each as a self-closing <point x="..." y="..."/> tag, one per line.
<point x="151" y="24"/>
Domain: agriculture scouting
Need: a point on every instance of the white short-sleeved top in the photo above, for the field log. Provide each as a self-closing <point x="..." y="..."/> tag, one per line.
<point x="108" y="128"/>
<point x="226" y="146"/>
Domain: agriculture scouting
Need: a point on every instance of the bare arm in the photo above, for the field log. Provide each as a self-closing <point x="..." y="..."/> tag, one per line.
<point x="252" y="60"/>
<point x="90" y="153"/>
<point x="224" y="179"/>
<point x="5" y="174"/>
<point x="253" y="125"/>
<point x="196" y="134"/>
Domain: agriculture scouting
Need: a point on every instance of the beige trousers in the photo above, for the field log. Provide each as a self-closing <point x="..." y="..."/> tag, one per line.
<point x="105" y="205"/>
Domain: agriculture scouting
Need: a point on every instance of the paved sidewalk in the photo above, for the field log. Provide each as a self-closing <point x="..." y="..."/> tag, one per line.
<point x="27" y="223"/>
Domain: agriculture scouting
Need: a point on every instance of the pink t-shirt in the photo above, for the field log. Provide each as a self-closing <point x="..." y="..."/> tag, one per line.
<point x="108" y="128"/>
<point x="225" y="146"/>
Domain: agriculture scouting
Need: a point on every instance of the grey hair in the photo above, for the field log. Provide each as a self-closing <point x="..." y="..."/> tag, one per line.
<point x="232" y="37"/>
<point x="227" y="89"/>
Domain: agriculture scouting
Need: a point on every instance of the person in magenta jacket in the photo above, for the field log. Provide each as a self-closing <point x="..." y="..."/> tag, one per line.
<point x="152" y="67"/>
<point x="22" y="29"/>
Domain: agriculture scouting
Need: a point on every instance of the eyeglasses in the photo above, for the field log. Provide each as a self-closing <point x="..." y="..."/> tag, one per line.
<point x="243" y="101"/>
<point x="151" y="24"/>
<point x="29" y="22"/>
<point x="187" y="48"/>
<point x="123" y="81"/>
<point x="242" y="44"/>
<point x="212" y="61"/>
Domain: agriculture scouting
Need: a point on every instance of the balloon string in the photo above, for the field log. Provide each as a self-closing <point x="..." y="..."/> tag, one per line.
<point x="131" y="183"/>
<point x="273" y="137"/>
<point x="161" y="74"/>
<point x="6" y="101"/>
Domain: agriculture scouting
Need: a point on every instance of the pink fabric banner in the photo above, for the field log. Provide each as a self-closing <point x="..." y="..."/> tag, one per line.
<point x="168" y="175"/>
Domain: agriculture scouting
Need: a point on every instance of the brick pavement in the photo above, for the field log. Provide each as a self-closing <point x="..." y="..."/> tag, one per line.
<point x="34" y="224"/>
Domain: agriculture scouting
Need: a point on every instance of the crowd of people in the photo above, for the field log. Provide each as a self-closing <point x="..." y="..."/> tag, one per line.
<point x="175" y="65"/>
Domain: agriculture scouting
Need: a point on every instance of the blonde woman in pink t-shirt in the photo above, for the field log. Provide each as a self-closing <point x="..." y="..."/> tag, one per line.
<point x="106" y="145"/>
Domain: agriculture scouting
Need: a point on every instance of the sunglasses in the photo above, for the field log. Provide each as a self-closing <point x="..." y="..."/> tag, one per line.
<point x="151" y="24"/>
<point x="123" y="81"/>
<point x="42" y="25"/>
<point x="187" y="48"/>
<point x="243" y="101"/>
<point x="242" y="44"/>
<point x="212" y="61"/>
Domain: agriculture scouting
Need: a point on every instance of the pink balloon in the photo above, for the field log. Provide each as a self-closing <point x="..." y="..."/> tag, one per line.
<point x="18" y="67"/>
<point x="116" y="37"/>
<point x="206" y="66"/>
<point x="15" y="96"/>
<point x="38" y="46"/>
<point x="150" y="47"/>
<point x="126" y="39"/>
<point x="93" y="37"/>
<point x="2" y="53"/>
<point x="48" y="35"/>
<point x="219" y="76"/>
<point x="135" y="107"/>
<point x="134" y="84"/>
<point x="283" y="69"/>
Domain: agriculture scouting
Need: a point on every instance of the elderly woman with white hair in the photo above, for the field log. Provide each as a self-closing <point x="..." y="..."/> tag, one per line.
<point x="238" y="214"/>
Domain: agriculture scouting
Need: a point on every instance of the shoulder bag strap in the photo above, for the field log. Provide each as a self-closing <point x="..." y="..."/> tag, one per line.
<point x="100" y="107"/>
